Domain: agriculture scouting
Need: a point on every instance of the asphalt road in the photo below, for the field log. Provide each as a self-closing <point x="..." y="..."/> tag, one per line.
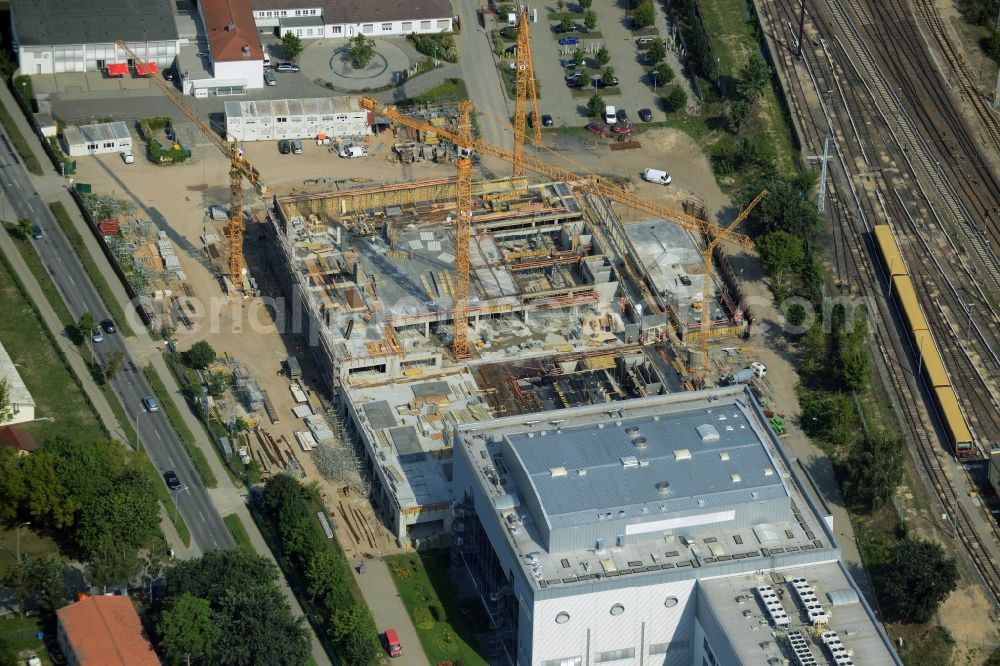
<point x="156" y="435"/>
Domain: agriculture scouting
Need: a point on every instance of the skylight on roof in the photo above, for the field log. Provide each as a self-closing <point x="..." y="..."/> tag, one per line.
<point x="708" y="433"/>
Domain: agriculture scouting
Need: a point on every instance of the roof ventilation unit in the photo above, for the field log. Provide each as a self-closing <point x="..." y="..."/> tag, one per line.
<point x="630" y="461"/>
<point x="640" y="442"/>
<point x="735" y="477"/>
<point x="663" y="487"/>
<point x="230" y="27"/>
<point x="682" y="454"/>
<point x="246" y="49"/>
<point x="724" y="456"/>
<point x="709" y="435"/>
<point x="556" y="472"/>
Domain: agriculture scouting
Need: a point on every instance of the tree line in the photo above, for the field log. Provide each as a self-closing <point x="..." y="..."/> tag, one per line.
<point x="322" y="568"/>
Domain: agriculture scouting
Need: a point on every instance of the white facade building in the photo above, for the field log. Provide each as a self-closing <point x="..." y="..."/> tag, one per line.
<point x="97" y="139"/>
<point x="57" y="36"/>
<point x="22" y="405"/>
<point x="661" y="530"/>
<point x="331" y="19"/>
<point x="270" y="120"/>
<point x="234" y="62"/>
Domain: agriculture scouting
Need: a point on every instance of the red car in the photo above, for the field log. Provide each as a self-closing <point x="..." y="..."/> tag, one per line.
<point x="392" y="644"/>
<point x="597" y="129"/>
<point x="622" y="129"/>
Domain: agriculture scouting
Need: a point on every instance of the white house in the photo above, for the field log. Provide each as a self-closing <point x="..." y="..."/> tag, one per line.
<point x="97" y="139"/>
<point x="319" y="19"/>
<point x="22" y="405"/>
<point x="56" y="36"/>
<point x="269" y="120"/>
<point x="235" y="54"/>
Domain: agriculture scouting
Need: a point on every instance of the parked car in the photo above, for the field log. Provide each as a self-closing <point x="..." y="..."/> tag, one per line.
<point x="622" y="129"/>
<point x="574" y="84"/>
<point x="36" y="231"/>
<point x="168" y="74"/>
<point x="269" y="78"/>
<point x="572" y="40"/>
<point x="644" y="42"/>
<point x="685" y="280"/>
<point x="645" y="115"/>
<point x="286" y="67"/>
<point x="622" y="116"/>
<point x="170" y="476"/>
<point x="109" y="326"/>
<point x="128" y="157"/>
<point x="284" y="147"/>
<point x="574" y="76"/>
<point x="597" y="129"/>
<point x="610" y="116"/>
<point x="547" y="120"/>
<point x="509" y="32"/>
<point x="558" y="29"/>
<point x="392" y="644"/>
<point x="149" y="402"/>
<point x="598" y="82"/>
<point x="568" y="64"/>
<point x="296" y="146"/>
<point x="97" y="336"/>
<point x="660" y="177"/>
<point x="759" y="369"/>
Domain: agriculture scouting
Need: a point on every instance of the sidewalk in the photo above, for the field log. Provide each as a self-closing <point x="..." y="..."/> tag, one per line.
<point x="381" y="596"/>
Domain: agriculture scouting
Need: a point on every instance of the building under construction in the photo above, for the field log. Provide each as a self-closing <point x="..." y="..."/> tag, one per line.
<point x="372" y="285"/>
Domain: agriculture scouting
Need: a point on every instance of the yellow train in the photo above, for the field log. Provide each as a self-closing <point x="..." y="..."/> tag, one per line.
<point x="931" y="366"/>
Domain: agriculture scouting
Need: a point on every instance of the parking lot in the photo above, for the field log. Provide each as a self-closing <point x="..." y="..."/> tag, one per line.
<point x="569" y="107"/>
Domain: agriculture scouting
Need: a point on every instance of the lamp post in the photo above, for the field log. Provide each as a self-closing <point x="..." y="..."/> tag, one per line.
<point x="17" y="533"/>
<point x="654" y="79"/>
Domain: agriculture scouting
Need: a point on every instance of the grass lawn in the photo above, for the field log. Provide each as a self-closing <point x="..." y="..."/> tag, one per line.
<point x="52" y="294"/>
<point x="32" y="545"/>
<point x="62" y="408"/>
<point x="21" y="144"/>
<point x="62" y="216"/>
<point x="21" y="634"/>
<point x="168" y="405"/>
<point x="446" y="627"/>
<point x="238" y="531"/>
<point x="449" y="89"/>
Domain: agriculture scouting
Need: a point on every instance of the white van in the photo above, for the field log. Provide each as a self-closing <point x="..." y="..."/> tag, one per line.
<point x="759" y="369"/>
<point x="610" y="115"/>
<point x="353" y="151"/>
<point x="267" y="59"/>
<point x="656" y="176"/>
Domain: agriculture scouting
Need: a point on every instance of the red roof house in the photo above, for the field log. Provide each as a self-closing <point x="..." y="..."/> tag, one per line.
<point x="104" y="631"/>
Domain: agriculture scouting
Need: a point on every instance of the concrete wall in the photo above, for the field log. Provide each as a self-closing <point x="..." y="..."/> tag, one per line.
<point x="91" y="57"/>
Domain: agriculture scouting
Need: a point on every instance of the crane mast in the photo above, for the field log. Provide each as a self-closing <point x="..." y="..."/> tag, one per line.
<point x="524" y="90"/>
<point x="463" y="233"/>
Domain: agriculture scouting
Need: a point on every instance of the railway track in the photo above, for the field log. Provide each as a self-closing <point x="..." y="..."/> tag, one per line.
<point x="872" y="151"/>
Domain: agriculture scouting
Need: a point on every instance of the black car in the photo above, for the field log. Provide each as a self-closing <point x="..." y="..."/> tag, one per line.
<point x="286" y="67"/>
<point x="173" y="482"/>
<point x="558" y="29"/>
<point x="546" y="120"/>
<point x="510" y="32"/>
<point x="645" y="115"/>
<point x="622" y="116"/>
<point x="574" y="83"/>
<point x="168" y="74"/>
<point x="108" y="326"/>
<point x="599" y="82"/>
<point x="575" y="76"/>
<point x="284" y="147"/>
<point x="568" y="64"/>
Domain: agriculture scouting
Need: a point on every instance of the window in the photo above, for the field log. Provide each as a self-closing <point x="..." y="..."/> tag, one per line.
<point x="298" y="12"/>
<point x="367" y="28"/>
<point x="443" y="24"/>
<point x="91" y="146"/>
<point x="386" y="27"/>
<point x="658" y="648"/>
<point x="565" y="661"/>
<point x="425" y="25"/>
<point x="338" y="29"/>
<point x="614" y="655"/>
<point x="309" y="32"/>
<point x="109" y="144"/>
<point x="407" y="27"/>
<point x="281" y="120"/>
<point x="312" y="12"/>
<point x="298" y="32"/>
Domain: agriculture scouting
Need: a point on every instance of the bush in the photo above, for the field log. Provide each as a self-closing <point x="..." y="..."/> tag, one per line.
<point x="644" y="15"/>
<point x="200" y="356"/>
<point x="915" y="580"/>
<point x="443" y="43"/>
<point x="675" y="100"/>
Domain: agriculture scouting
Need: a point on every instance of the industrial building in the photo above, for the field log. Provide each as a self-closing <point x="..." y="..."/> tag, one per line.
<point x="96" y="139"/>
<point x="270" y="120"/>
<point x="57" y="36"/>
<point x="662" y="530"/>
<point x="330" y="19"/>
<point x="21" y="404"/>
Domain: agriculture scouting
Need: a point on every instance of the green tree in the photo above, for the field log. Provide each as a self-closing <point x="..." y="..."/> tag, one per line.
<point x="566" y="23"/>
<point x="113" y="364"/>
<point x="40" y="578"/>
<point x="827" y="416"/>
<point x="782" y="254"/>
<point x="664" y="74"/>
<point x="216" y="572"/>
<point x="360" y="51"/>
<point x="739" y="113"/>
<point x="353" y="631"/>
<point x="675" y="100"/>
<point x="217" y="384"/>
<point x="603" y="56"/>
<point x="8" y="655"/>
<point x="560" y="4"/>
<point x="644" y="15"/>
<point x="6" y="410"/>
<point x="595" y="106"/>
<point x="754" y="78"/>
<point x="12" y="485"/>
<point x="109" y="564"/>
<point x="873" y="471"/>
<point x="608" y="76"/>
<point x="291" y="45"/>
<point x="579" y="57"/>
<point x="657" y="52"/>
<point x="785" y="209"/>
<point x="590" y="19"/>
<point x="915" y="580"/>
<point x="585" y="4"/>
<point x="326" y="580"/>
<point x="188" y="629"/>
<point x="256" y="626"/>
<point x="46" y="498"/>
<point x="200" y="356"/>
<point x="85" y="327"/>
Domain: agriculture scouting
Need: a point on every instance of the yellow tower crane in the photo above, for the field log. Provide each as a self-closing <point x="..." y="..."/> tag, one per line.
<point x="463" y="232"/>
<point x="240" y="168"/>
<point x="524" y="90"/>
<point x="710" y="244"/>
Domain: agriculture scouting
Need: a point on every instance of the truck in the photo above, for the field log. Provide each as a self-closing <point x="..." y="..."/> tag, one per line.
<point x="353" y="151"/>
<point x="740" y="377"/>
<point x="392" y="644"/>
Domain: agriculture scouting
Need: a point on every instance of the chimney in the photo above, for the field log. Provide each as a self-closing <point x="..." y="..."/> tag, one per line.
<point x="230" y="27"/>
<point x="246" y="49"/>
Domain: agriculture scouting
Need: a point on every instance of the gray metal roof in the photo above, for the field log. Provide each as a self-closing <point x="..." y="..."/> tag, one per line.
<point x="96" y="133"/>
<point x="44" y="22"/>
<point x="577" y="473"/>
